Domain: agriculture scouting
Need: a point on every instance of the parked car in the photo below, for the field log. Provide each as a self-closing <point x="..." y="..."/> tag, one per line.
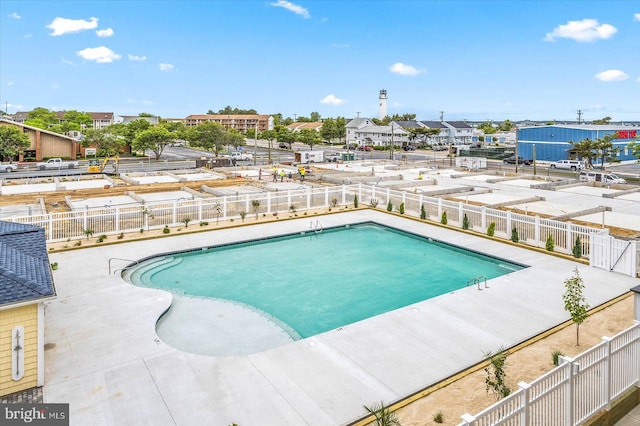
<point x="351" y="146"/>
<point x="283" y="145"/>
<point x="241" y="156"/>
<point x="409" y="148"/>
<point x="332" y="157"/>
<point x="440" y="147"/>
<point x="365" y="148"/>
<point x="567" y="165"/>
<point x="512" y="160"/>
<point x="606" y="178"/>
<point x="8" y="168"/>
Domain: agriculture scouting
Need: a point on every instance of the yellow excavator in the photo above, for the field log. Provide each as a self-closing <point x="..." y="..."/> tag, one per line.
<point x="97" y="166"/>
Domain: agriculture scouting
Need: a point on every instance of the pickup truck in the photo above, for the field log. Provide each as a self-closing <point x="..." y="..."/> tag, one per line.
<point x="567" y="165"/>
<point x="241" y="156"/>
<point x="57" y="163"/>
<point x="512" y="160"/>
<point x="8" y="167"/>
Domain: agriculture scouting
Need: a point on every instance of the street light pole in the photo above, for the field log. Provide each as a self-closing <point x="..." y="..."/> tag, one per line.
<point x="255" y="145"/>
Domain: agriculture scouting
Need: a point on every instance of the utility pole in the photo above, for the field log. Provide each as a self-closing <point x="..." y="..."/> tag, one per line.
<point x="441" y="116"/>
<point x="579" y="116"/>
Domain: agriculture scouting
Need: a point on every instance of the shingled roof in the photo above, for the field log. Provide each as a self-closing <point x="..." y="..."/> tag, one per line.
<point x="24" y="264"/>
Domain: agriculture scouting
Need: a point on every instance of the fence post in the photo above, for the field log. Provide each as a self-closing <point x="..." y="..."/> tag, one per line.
<point x="326" y="197"/>
<point x="359" y="191"/>
<point x="524" y="403"/>
<point x="537" y="231"/>
<point x="199" y="209"/>
<point x="246" y="203"/>
<point x="567" y="365"/>
<point x="224" y="207"/>
<point x="508" y="230"/>
<point x="388" y="196"/>
<point x="483" y="218"/>
<point x="51" y="226"/>
<point x="268" y="202"/>
<point x="468" y="419"/>
<point x="439" y="208"/>
<point x="117" y="217"/>
<point x="569" y="237"/>
<point x="606" y="377"/>
<point x="344" y="195"/>
<point x="288" y="198"/>
<point x="309" y="198"/>
<point x="460" y="213"/>
<point x="175" y="213"/>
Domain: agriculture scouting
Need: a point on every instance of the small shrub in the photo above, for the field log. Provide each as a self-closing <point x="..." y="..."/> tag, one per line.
<point x="495" y="374"/>
<point x="292" y="208"/>
<point x="186" y="221"/>
<point x="401" y="208"/>
<point x="514" y="235"/>
<point x="549" y="245"/>
<point x="103" y="237"/>
<point x="54" y="266"/>
<point x="334" y="202"/>
<point x="443" y="219"/>
<point x="491" y="229"/>
<point x="243" y="214"/>
<point x="141" y="231"/>
<point x="78" y="243"/>
<point x="438" y="417"/>
<point x="555" y="356"/>
<point x="373" y="203"/>
<point x="382" y="414"/>
<point x="465" y="222"/>
<point x="100" y="239"/>
<point x="389" y="207"/>
<point x="121" y="235"/>
<point x="355" y="201"/>
<point x="423" y="212"/>
<point x="256" y="206"/>
<point x="166" y="230"/>
<point x="577" y="248"/>
<point x="87" y="233"/>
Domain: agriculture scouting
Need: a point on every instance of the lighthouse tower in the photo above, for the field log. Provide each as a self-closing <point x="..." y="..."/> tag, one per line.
<point x="382" y="113"/>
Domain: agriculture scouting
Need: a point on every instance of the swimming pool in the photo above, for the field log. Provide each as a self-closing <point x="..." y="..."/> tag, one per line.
<point x="318" y="281"/>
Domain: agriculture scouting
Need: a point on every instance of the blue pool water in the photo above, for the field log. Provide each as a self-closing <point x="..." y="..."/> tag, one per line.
<point x="321" y="281"/>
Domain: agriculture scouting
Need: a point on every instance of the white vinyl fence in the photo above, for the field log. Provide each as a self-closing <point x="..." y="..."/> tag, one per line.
<point x="575" y="390"/>
<point x="610" y="253"/>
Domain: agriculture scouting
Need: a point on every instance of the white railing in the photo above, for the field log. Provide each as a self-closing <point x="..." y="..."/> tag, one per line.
<point x="575" y="390"/>
<point x="532" y="230"/>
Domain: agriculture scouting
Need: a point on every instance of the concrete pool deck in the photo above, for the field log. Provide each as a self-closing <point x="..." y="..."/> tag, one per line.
<point x="105" y="359"/>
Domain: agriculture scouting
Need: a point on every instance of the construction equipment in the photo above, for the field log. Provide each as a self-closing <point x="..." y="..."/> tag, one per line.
<point x="97" y="166"/>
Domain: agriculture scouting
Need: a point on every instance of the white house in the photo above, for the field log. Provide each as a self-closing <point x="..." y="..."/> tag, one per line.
<point x="363" y="131"/>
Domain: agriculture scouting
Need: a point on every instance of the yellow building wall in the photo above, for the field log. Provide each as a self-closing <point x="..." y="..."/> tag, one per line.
<point x="27" y="317"/>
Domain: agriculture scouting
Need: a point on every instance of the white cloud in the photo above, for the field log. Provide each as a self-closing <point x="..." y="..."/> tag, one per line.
<point x="341" y="45"/>
<point x="137" y="101"/>
<point x="165" y="67"/>
<point x="55" y="86"/>
<point x="14" y="15"/>
<point x="612" y="75"/>
<point x="9" y="83"/>
<point x="298" y="10"/>
<point x="68" y="62"/>
<point x="136" y="58"/>
<point x="332" y="100"/>
<point x="99" y="54"/>
<point x="105" y="33"/>
<point x="62" y="26"/>
<point x="636" y="16"/>
<point x="404" y="69"/>
<point x="581" y="31"/>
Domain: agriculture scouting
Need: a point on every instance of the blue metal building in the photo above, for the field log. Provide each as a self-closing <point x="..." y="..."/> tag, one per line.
<point x="553" y="142"/>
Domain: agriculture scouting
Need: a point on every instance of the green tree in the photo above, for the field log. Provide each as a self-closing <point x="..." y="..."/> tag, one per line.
<point x="604" y="120"/>
<point x="177" y="129"/>
<point x="154" y="139"/>
<point x="82" y="119"/>
<point x="13" y="141"/>
<point x="495" y="380"/>
<point x="585" y="149"/>
<point x="506" y="126"/>
<point x="487" y="127"/>
<point x="310" y="137"/>
<point x="269" y="136"/>
<point x="315" y="116"/>
<point x="42" y="118"/>
<point x="605" y="150"/>
<point x="634" y="148"/>
<point x="575" y="302"/>
<point x="208" y="136"/>
<point x="285" y="135"/>
<point x="329" y="130"/>
<point x="107" y="144"/>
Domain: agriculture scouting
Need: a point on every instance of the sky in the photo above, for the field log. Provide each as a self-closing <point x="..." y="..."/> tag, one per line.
<point x="468" y="60"/>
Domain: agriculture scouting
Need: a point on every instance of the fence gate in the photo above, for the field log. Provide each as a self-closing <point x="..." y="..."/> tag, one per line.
<point x="615" y="255"/>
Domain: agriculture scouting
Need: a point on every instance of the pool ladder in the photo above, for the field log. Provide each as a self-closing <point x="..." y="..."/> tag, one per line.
<point x="477" y="280"/>
<point x="317" y="227"/>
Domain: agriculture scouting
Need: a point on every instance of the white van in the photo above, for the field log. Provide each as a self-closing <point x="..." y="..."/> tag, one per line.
<point x="567" y="165"/>
<point x="606" y="178"/>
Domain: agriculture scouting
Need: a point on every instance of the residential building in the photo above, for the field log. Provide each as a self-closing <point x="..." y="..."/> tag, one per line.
<point x="553" y="142"/>
<point x="454" y="132"/>
<point x="45" y="144"/>
<point x="126" y="119"/>
<point x="363" y="131"/>
<point x="26" y="283"/>
<point x="101" y="119"/>
<point x="240" y="122"/>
